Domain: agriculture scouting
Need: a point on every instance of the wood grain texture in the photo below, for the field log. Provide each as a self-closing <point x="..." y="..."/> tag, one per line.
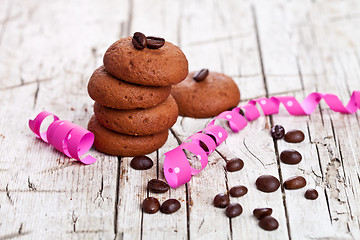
<point x="48" y="50"/>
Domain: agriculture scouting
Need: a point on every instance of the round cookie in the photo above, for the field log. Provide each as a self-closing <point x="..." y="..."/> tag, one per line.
<point x="151" y="67"/>
<point x="115" y="93"/>
<point x="117" y="144"/>
<point x="208" y="98"/>
<point x="138" y="121"/>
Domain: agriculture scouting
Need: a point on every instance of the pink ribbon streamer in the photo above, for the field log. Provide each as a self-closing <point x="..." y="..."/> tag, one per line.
<point x="68" y="138"/>
<point x="177" y="169"/>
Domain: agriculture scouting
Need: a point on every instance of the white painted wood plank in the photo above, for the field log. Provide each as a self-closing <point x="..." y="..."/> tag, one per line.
<point x="46" y="194"/>
<point x="332" y="167"/>
<point x="161" y="21"/>
<point x="304" y="44"/>
<point x="213" y="178"/>
<point x="167" y="226"/>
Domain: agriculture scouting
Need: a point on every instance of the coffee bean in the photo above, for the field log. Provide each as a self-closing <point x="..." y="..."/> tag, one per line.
<point x="234" y="165"/>
<point x="295" y="182"/>
<point x="170" y="206"/>
<point x="233" y="210"/>
<point x="141" y="163"/>
<point x="267" y="183"/>
<point x="277" y="132"/>
<point x="238" y="191"/>
<point x="158" y="186"/>
<point x="155" y="42"/>
<point x="221" y="200"/>
<point x="262" y="212"/>
<point x="294" y="136"/>
<point x="290" y="156"/>
<point x="201" y="75"/>
<point x="151" y="205"/>
<point x="268" y="223"/>
<point x="139" y="40"/>
<point x="311" y="194"/>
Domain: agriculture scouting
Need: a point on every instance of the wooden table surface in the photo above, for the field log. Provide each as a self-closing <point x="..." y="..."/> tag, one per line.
<point x="49" y="49"/>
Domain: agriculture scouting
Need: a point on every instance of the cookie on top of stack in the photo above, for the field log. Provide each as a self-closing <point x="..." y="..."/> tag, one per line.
<point x="133" y="107"/>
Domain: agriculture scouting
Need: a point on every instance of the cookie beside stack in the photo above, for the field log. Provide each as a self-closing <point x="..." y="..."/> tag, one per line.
<point x="133" y="107"/>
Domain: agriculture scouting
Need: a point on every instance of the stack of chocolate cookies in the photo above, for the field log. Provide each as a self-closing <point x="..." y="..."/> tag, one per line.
<point x="133" y="106"/>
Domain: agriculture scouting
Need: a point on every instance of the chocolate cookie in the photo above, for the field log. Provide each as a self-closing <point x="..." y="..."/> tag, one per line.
<point x="151" y="67"/>
<point x="207" y="98"/>
<point x="115" y="93"/>
<point x="117" y="144"/>
<point x="138" y="121"/>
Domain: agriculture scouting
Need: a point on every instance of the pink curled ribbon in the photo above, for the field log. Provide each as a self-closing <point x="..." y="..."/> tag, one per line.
<point x="68" y="138"/>
<point x="177" y="169"/>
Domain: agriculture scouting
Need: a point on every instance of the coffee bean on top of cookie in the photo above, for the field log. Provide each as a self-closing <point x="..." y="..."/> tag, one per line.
<point x="205" y="94"/>
<point x="133" y="106"/>
<point x="162" y="66"/>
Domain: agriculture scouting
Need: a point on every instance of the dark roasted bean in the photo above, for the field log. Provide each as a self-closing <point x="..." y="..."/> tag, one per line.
<point x="141" y="163"/>
<point x="290" y="156"/>
<point x="221" y="200"/>
<point x="233" y="210"/>
<point x="155" y="42"/>
<point x="277" y="132"/>
<point x="268" y="223"/>
<point x="234" y="165"/>
<point x="311" y="194"/>
<point x="238" y="191"/>
<point x="294" y="136"/>
<point x="151" y="205"/>
<point x="170" y="206"/>
<point x="267" y="183"/>
<point x="295" y="182"/>
<point x="139" y="40"/>
<point x="201" y="75"/>
<point x="262" y="212"/>
<point x="158" y="186"/>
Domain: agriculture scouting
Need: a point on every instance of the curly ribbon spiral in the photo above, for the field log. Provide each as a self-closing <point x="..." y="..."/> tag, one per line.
<point x="68" y="138"/>
<point x="177" y="169"/>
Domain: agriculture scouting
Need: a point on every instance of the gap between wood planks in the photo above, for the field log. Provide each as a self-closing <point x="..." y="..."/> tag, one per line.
<point x="187" y="200"/>
<point x="253" y="10"/>
<point x="123" y="32"/>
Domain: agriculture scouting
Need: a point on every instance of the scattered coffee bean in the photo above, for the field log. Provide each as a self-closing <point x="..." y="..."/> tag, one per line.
<point x="234" y="165"/>
<point x="294" y="136"/>
<point x="155" y="42"/>
<point x="238" y="191"/>
<point x="267" y="183"/>
<point x="233" y="210"/>
<point x="268" y="223"/>
<point x="262" y="212"/>
<point x="277" y="132"/>
<point x="201" y="75"/>
<point x="139" y="40"/>
<point x="151" y="205"/>
<point x="311" y="194"/>
<point x="221" y="200"/>
<point x="170" y="206"/>
<point x="141" y="163"/>
<point x="295" y="182"/>
<point x="290" y="156"/>
<point x="157" y="186"/>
